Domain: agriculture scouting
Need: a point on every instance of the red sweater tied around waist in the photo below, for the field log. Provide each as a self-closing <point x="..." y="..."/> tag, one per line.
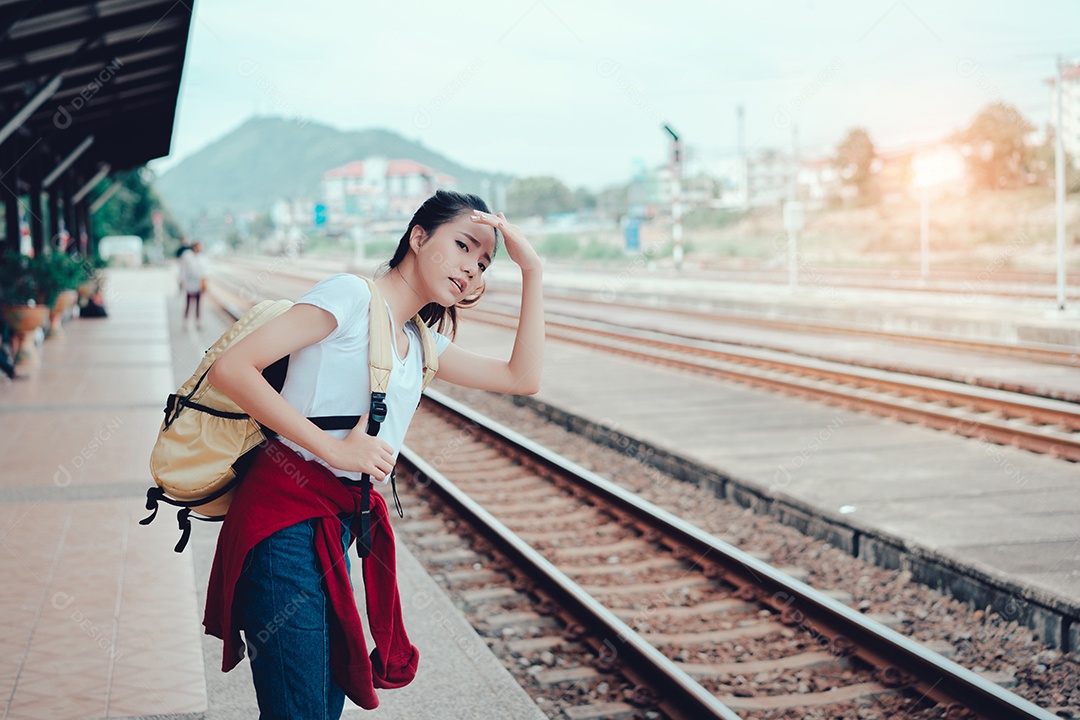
<point x="282" y="489"/>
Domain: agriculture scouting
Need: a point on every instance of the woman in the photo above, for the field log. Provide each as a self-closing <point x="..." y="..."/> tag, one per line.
<point x="288" y="597"/>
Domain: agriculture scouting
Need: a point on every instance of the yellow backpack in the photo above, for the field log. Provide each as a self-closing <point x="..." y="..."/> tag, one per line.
<point x="206" y="441"/>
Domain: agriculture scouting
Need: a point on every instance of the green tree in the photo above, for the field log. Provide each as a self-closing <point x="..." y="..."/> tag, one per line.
<point x="130" y="210"/>
<point x="855" y="162"/>
<point x="997" y="155"/>
<point x="541" y="195"/>
<point x="613" y="200"/>
<point x="583" y="199"/>
<point x="262" y="226"/>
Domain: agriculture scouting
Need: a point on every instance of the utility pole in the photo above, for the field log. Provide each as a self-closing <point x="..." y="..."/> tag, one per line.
<point x="744" y="189"/>
<point x="793" y="217"/>
<point x="1059" y="183"/>
<point x="676" y="197"/>
<point x="924" y="236"/>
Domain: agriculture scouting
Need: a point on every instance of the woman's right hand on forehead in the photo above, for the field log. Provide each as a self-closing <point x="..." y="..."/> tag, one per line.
<point x="517" y="246"/>
<point x="360" y="452"/>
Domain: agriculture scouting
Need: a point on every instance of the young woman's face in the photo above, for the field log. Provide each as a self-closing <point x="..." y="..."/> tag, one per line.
<point x="454" y="257"/>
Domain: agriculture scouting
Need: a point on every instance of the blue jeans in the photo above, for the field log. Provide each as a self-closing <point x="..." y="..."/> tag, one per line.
<point x="284" y="616"/>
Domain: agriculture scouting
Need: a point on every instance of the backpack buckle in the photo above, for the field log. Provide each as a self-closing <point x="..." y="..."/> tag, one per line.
<point x="378" y="407"/>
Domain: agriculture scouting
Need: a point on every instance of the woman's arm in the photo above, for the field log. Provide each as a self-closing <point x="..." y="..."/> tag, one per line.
<point x="520" y="375"/>
<point x="238" y="374"/>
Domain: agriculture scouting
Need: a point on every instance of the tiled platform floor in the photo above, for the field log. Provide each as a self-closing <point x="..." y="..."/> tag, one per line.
<point x="97" y="614"/>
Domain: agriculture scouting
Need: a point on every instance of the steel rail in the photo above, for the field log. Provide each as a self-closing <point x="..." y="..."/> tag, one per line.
<point x="843" y="630"/>
<point x="680" y="695"/>
<point x="1033" y="351"/>
<point x="1045" y="411"/>
<point x="1041" y="352"/>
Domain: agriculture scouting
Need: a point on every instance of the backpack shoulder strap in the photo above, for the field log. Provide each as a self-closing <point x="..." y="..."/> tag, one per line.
<point x="380" y="344"/>
<point x="379" y="366"/>
<point x="431" y="356"/>
<point x="379" y="341"/>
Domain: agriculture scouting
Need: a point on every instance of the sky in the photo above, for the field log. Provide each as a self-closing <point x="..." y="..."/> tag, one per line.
<point x="581" y="89"/>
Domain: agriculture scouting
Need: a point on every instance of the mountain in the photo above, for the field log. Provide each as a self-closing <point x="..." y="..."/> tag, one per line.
<point x="268" y="158"/>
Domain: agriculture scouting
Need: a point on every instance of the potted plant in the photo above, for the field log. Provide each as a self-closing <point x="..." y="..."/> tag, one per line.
<point x="69" y="271"/>
<point x="94" y="277"/>
<point x="18" y="286"/>
<point x="24" y="303"/>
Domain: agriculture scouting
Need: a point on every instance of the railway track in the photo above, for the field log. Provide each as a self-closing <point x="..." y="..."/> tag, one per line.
<point x="1001" y="276"/>
<point x="685" y="618"/>
<point x="1014" y="284"/>
<point x="1042" y="353"/>
<point x="1036" y="424"/>
<point x="1037" y="352"/>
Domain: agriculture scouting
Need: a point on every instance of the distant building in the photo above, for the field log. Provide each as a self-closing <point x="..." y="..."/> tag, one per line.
<point x="378" y="189"/>
<point x="650" y="192"/>
<point x="894" y="174"/>
<point x="1070" y="111"/>
<point x="291" y="218"/>
<point x="819" y="183"/>
<point x="768" y="175"/>
<point x="768" y="178"/>
<point x="656" y="190"/>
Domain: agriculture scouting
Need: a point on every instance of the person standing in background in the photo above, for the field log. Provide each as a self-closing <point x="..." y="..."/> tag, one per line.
<point x="184" y="246"/>
<point x="193" y="279"/>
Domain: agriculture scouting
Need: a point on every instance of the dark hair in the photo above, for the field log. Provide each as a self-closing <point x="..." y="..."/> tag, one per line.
<point x="439" y="209"/>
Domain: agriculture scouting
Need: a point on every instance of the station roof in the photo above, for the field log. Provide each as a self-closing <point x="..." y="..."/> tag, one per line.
<point x="109" y="69"/>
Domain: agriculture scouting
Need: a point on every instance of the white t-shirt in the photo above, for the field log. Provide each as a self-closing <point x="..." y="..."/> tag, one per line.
<point x="331" y="377"/>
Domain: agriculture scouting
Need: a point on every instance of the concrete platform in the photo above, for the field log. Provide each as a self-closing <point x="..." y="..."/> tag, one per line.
<point x="98" y="616"/>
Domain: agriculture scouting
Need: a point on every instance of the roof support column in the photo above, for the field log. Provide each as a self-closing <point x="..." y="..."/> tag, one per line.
<point x="86" y="209"/>
<point x="70" y="224"/>
<point x="37" y="222"/>
<point x="54" y="218"/>
<point x="82" y="215"/>
<point x="9" y="185"/>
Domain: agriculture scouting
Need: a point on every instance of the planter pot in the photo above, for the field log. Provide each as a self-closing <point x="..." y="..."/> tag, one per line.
<point x="24" y="320"/>
<point x="66" y="299"/>
<point x="56" y="314"/>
